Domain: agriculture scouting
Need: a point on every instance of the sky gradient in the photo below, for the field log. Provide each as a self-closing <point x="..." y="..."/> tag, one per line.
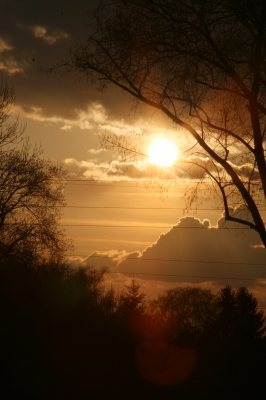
<point x="128" y="211"/>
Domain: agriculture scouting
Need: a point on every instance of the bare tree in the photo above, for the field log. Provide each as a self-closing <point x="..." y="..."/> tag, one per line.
<point x="202" y="64"/>
<point x="10" y="132"/>
<point x="31" y="194"/>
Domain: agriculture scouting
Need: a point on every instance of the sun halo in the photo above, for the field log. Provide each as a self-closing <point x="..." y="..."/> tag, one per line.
<point x="163" y="153"/>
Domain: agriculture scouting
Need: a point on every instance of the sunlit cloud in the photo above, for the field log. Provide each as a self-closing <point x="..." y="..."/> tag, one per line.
<point x="191" y="252"/>
<point x="10" y="66"/>
<point x="246" y="170"/>
<point x="66" y="127"/>
<point x="37" y="114"/>
<point x="95" y="151"/>
<point x="50" y="36"/>
<point x="120" y="128"/>
<point x="8" y="63"/>
<point x="116" y="170"/>
<point x="4" y="46"/>
<point x="186" y="170"/>
<point x="94" y="117"/>
<point x="107" y="259"/>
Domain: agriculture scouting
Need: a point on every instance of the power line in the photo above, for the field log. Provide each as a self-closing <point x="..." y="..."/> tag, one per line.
<point x="145" y="208"/>
<point x="144" y="181"/>
<point x="128" y="186"/>
<point x="150" y="226"/>
<point x="123" y="181"/>
<point x="191" y="276"/>
<point x="188" y="276"/>
<point x="141" y="226"/>
<point x="115" y="226"/>
<point x="137" y="184"/>
<point x="172" y="260"/>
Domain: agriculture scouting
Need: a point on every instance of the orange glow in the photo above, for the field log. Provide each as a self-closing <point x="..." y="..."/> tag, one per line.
<point x="164" y="364"/>
<point x="157" y="360"/>
<point x="163" y="153"/>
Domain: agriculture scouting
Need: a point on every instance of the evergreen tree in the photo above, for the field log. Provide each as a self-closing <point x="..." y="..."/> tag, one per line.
<point x="132" y="301"/>
<point x="238" y="317"/>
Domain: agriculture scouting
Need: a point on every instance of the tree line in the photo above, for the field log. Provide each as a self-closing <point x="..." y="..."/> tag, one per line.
<point x="64" y="335"/>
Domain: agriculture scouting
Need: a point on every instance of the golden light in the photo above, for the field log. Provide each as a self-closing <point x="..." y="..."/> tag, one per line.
<point x="163" y="153"/>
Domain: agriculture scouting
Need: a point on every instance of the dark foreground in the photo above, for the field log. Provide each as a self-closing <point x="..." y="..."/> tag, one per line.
<point x="62" y="338"/>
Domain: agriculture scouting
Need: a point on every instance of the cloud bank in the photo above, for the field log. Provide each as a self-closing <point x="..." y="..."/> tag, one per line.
<point x="192" y="252"/>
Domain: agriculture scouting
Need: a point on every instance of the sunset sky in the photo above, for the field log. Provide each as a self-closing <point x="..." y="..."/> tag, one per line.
<point x="134" y="218"/>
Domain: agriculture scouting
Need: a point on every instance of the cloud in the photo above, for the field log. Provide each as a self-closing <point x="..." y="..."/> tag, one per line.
<point x="192" y="252"/>
<point x="246" y="170"/>
<point x="50" y="36"/>
<point x="4" y="46"/>
<point x="120" y="128"/>
<point x="95" y="151"/>
<point x="241" y="212"/>
<point x="66" y="127"/>
<point x="11" y="66"/>
<point x="138" y="169"/>
<point x="38" y="114"/>
<point x="194" y="167"/>
<point x="94" y="117"/>
<point x="198" y="250"/>
<point x="99" y="259"/>
<point x="120" y="170"/>
<point x="8" y="63"/>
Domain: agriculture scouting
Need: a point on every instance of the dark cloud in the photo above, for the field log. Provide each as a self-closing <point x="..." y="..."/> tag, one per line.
<point x="39" y="37"/>
<point x="44" y="33"/>
<point x="194" y="252"/>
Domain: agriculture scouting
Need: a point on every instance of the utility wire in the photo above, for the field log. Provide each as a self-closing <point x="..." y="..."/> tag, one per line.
<point x="140" y="181"/>
<point x="145" y="208"/>
<point x="127" y="186"/>
<point x="148" y="226"/>
<point x="171" y="260"/>
<point x="123" y="181"/>
<point x="188" y="276"/>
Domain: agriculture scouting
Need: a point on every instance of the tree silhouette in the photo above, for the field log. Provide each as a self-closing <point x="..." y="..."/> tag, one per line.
<point x="237" y="343"/>
<point x="58" y="340"/>
<point x="31" y="195"/>
<point x="188" y="308"/>
<point x="10" y="132"/>
<point x="201" y="63"/>
<point x="238" y="317"/>
<point x="251" y="320"/>
<point x="132" y="301"/>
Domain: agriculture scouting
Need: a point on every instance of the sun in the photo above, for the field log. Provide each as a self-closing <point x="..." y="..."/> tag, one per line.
<point x="163" y="153"/>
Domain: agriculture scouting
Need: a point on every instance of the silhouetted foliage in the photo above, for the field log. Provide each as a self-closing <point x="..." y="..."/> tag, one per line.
<point x="10" y="132"/>
<point x="237" y="316"/>
<point x="132" y="301"/>
<point x="62" y="337"/>
<point x="31" y="194"/>
<point x="188" y="308"/>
